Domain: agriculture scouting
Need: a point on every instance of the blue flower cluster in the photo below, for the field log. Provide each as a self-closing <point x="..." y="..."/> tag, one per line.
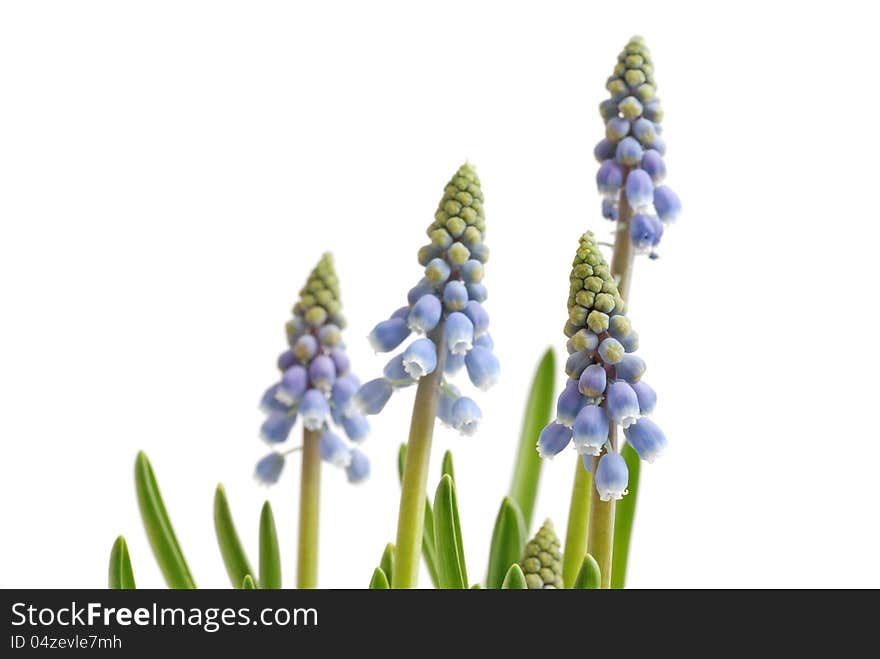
<point x="445" y="312"/>
<point x="605" y="387"/>
<point x="316" y="382"/>
<point x="631" y="154"/>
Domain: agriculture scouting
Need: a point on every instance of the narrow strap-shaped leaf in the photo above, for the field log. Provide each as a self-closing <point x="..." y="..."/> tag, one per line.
<point x="248" y="583"/>
<point x="401" y="460"/>
<point x="447" y="465"/>
<point x="158" y="527"/>
<point x="624" y="516"/>
<point x="514" y="579"/>
<point x="429" y="548"/>
<point x="589" y="577"/>
<point x="508" y="540"/>
<point x="447" y="537"/>
<point x="538" y="411"/>
<point x="379" y="580"/>
<point x="270" y="554"/>
<point x="234" y="558"/>
<point x="121" y="577"/>
<point x="429" y="551"/>
<point x="387" y="561"/>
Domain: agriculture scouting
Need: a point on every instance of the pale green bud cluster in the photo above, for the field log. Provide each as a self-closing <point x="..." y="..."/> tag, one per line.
<point x="634" y="71"/>
<point x="593" y="298"/>
<point x="319" y="300"/>
<point x="459" y="224"/>
<point x="542" y="560"/>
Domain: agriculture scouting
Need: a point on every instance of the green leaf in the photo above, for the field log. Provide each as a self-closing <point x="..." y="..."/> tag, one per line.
<point x="429" y="551"/>
<point x="589" y="577"/>
<point x="577" y="530"/>
<point x="447" y="465"/>
<point x="514" y="579"/>
<point x="538" y="412"/>
<point x="447" y="536"/>
<point x="121" y="577"/>
<point x="158" y="527"/>
<point x="270" y="554"/>
<point x="625" y="514"/>
<point x="401" y="460"/>
<point x="248" y="583"/>
<point x="508" y="540"/>
<point x="387" y="562"/>
<point x="379" y="580"/>
<point x="476" y="586"/>
<point x="237" y="564"/>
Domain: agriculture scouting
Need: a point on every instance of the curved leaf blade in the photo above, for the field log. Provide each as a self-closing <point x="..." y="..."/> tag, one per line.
<point x="538" y="412"/>
<point x="624" y="516"/>
<point x="514" y="579"/>
<point x="508" y="540"/>
<point x="451" y="567"/>
<point x="589" y="577"/>
<point x="121" y="576"/>
<point x="157" y="525"/>
<point x="447" y="467"/>
<point x="248" y="583"/>
<point x="387" y="561"/>
<point x="270" y="553"/>
<point x="234" y="558"/>
<point x="379" y="580"/>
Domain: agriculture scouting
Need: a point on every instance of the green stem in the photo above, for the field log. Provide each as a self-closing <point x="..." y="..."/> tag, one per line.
<point x="622" y="268"/>
<point x="309" y="511"/>
<point x="601" y="538"/>
<point x="623" y="255"/>
<point x="578" y="520"/>
<point x="411" y="518"/>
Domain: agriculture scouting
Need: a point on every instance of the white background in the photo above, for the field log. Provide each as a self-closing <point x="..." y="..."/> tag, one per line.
<point x="170" y="171"/>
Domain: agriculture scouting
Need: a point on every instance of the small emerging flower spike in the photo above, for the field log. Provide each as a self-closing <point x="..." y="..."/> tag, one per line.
<point x="449" y="297"/>
<point x="440" y="333"/>
<point x="632" y="170"/>
<point x="542" y="560"/>
<point x="604" y="388"/>
<point x="316" y="383"/>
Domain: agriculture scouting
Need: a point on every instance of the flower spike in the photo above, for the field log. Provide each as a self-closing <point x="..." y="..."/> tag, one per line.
<point x="445" y="311"/>
<point x="449" y="295"/>
<point x="604" y="389"/>
<point x="631" y="154"/>
<point x="316" y="383"/>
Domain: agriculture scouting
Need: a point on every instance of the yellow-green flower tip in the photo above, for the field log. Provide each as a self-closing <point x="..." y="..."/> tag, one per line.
<point x="460" y="212"/>
<point x="542" y="560"/>
<point x="634" y="70"/>
<point x="593" y="298"/>
<point x="319" y="300"/>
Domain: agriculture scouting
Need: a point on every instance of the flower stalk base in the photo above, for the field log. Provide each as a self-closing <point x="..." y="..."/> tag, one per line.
<point x="601" y="537"/>
<point x="411" y="518"/>
<point x="309" y="511"/>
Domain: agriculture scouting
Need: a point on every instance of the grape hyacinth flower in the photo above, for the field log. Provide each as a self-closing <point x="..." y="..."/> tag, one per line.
<point x="632" y="170"/>
<point x="444" y="298"/>
<point x="449" y="325"/>
<point x="604" y="390"/>
<point x="631" y="180"/>
<point x="316" y="383"/>
<point x="317" y="386"/>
